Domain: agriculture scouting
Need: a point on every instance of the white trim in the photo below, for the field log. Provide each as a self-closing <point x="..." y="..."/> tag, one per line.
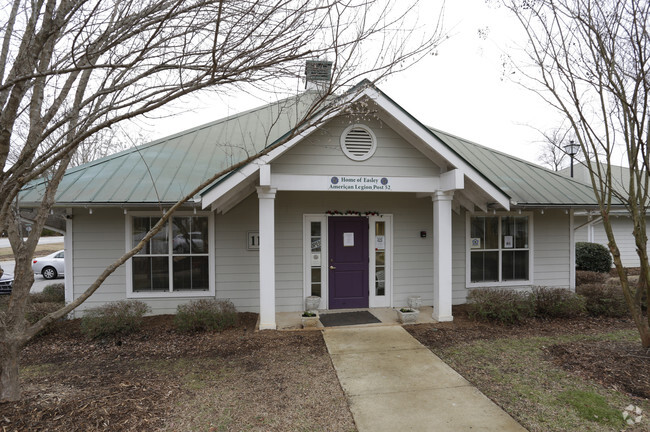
<point x="440" y="147"/>
<point x="572" y="251"/>
<point x="170" y="294"/>
<point x="68" y="277"/>
<point x="500" y="283"/>
<point x="442" y="256"/>
<point x="266" y="198"/>
<point x="387" y="299"/>
<point x="324" y="274"/>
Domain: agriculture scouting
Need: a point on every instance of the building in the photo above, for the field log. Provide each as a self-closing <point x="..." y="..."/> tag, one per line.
<point x="364" y="206"/>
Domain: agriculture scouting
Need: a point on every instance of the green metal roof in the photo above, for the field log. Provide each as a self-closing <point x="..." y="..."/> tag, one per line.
<point x="178" y="163"/>
<point x="524" y="182"/>
<point x="175" y="164"/>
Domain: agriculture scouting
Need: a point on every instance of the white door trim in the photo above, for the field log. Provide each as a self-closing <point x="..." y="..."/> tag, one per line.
<point x="387" y="299"/>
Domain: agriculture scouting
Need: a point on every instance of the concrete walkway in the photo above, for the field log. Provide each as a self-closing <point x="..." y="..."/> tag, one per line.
<point x="394" y="383"/>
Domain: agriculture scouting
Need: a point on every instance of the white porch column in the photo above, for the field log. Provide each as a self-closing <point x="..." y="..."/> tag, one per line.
<point x="266" y="197"/>
<point x="442" y="256"/>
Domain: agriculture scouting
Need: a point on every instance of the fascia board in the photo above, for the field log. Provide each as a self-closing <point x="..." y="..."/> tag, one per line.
<point x="438" y="146"/>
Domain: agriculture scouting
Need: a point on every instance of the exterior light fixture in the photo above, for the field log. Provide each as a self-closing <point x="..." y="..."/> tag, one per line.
<point x="572" y="149"/>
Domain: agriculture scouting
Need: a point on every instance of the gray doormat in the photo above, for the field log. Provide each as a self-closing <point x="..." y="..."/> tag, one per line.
<point x="348" y="318"/>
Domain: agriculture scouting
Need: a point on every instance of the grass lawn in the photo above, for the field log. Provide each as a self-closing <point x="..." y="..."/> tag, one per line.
<point x="523" y="371"/>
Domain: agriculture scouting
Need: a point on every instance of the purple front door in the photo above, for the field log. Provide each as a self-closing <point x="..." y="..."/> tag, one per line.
<point x="348" y="262"/>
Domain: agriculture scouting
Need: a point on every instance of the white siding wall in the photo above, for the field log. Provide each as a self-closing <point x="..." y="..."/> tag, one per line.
<point x="321" y="154"/>
<point x="99" y="240"/>
<point x="622" y="228"/>
<point x="552" y="249"/>
<point x="551" y="252"/>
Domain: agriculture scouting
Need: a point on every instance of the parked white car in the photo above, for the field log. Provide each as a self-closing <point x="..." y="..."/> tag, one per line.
<point x="51" y="266"/>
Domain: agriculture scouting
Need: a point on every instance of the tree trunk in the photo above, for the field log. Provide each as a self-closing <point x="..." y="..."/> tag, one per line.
<point x="9" y="378"/>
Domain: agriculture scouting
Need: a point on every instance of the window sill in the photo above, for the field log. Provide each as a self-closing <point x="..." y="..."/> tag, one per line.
<point x="522" y="283"/>
<point x="169" y="294"/>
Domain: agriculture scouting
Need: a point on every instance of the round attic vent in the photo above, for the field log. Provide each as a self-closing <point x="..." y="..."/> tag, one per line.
<point x="358" y="142"/>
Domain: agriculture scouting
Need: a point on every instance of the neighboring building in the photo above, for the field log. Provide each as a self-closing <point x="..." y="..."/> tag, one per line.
<point x="363" y="212"/>
<point x="589" y="224"/>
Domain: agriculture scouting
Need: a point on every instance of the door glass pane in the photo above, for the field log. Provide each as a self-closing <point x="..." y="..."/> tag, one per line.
<point x="380" y="258"/>
<point x="315" y="245"/>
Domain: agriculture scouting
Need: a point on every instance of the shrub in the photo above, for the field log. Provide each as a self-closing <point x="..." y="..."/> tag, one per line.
<point x="603" y="300"/>
<point x="593" y="257"/>
<point x="55" y="292"/>
<point x="36" y="311"/>
<point x="201" y="315"/>
<point x="501" y="305"/>
<point x="584" y="277"/>
<point x="557" y="303"/>
<point x="112" y="319"/>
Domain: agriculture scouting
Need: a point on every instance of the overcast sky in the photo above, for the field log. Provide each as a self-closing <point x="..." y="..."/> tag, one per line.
<point x="463" y="90"/>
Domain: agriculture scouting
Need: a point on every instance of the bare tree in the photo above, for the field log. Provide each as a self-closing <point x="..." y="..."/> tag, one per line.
<point x="592" y="62"/>
<point x="552" y="154"/>
<point x="70" y="69"/>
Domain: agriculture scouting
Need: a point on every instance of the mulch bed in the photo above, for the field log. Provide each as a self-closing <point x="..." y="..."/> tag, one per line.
<point x="73" y="384"/>
<point x="618" y="364"/>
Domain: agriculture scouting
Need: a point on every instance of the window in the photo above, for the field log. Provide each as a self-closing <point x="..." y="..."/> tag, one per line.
<point x="499" y="249"/>
<point x="380" y="258"/>
<point x="316" y="239"/>
<point x="175" y="260"/>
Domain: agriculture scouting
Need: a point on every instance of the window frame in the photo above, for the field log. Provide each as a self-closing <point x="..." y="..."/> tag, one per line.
<point x="500" y="282"/>
<point x="171" y="293"/>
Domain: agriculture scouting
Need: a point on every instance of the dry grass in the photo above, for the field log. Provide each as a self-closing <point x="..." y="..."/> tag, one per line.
<point x="7" y="254"/>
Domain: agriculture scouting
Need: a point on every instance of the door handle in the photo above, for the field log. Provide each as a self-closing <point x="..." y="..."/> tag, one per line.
<point x="332" y="268"/>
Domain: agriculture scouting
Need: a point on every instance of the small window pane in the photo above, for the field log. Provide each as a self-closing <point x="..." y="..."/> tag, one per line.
<point x="514" y="265"/>
<point x="140" y="228"/>
<point x="315" y="275"/>
<point x="315" y="244"/>
<point x="150" y="274"/>
<point x="484" y="266"/>
<point x="380" y="228"/>
<point x="191" y="273"/>
<point x="160" y="241"/>
<point x="199" y="235"/>
<point x="315" y="290"/>
<point x="487" y="230"/>
<point x="380" y="258"/>
<point x="315" y="229"/>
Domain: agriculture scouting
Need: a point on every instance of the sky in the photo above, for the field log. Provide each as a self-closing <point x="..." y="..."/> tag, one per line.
<point x="463" y="90"/>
